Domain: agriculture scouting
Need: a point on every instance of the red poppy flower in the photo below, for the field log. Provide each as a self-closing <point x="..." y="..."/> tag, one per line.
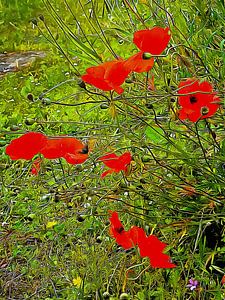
<point x="65" y="147"/>
<point x="26" y="146"/>
<point x="153" y="248"/>
<point x="223" y="280"/>
<point x="116" y="163"/>
<point x="139" y="62"/>
<point x="107" y="76"/>
<point x="149" y="246"/>
<point x="153" y="40"/>
<point x="36" y="166"/>
<point x="122" y="237"/>
<point x="200" y="101"/>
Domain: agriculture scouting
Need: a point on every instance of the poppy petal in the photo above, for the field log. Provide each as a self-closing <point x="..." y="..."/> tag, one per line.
<point x="52" y="149"/>
<point x="59" y="147"/>
<point x="162" y="261"/>
<point x="97" y="82"/>
<point x="75" y="159"/>
<point x="153" y="40"/>
<point x="115" y="163"/>
<point x="109" y="159"/>
<point x="107" y="76"/>
<point x="26" y="146"/>
<point x="137" y="63"/>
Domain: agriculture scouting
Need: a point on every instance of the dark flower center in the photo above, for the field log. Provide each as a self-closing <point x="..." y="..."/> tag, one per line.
<point x="119" y="230"/>
<point x="193" y="99"/>
<point x="146" y="55"/>
<point x="84" y="150"/>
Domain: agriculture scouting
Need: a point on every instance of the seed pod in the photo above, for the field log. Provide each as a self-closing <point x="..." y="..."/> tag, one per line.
<point x="104" y="106"/>
<point x="34" y="21"/>
<point x="146" y="55"/>
<point x="42" y="18"/>
<point x="128" y="80"/>
<point x="30" y="97"/>
<point x="99" y="239"/>
<point x="30" y="217"/>
<point x="80" y="218"/>
<point x="29" y="121"/>
<point x="14" y="128"/>
<point x="81" y="84"/>
<point x="106" y="295"/>
<point x="149" y="105"/>
<point x="146" y="158"/>
<point x="46" y="101"/>
<point x="124" y="296"/>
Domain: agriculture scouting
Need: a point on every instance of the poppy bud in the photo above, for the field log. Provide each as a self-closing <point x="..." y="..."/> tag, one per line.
<point x="104" y="106"/>
<point x="146" y="158"/>
<point x="106" y="295"/>
<point x="34" y="21"/>
<point x="81" y="84"/>
<point x="146" y="55"/>
<point x="128" y="80"/>
<point x="29" y="121"/>
<point x="42" y="18"/>
<point x="30" y="217"/>
<point x="46" y="101"/>
<point x="30" y="97"/>
<point x="149" y="105"/>
<point x="80" y="218"/>
<point x="99" y="239"/>
<point x="14" y="128"/>
<point x="124" y="296"/>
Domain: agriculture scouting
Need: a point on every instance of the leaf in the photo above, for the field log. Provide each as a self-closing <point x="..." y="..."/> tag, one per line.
<point x="154" y="133"/>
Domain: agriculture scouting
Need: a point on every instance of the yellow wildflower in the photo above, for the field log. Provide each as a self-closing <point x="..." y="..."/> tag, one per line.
<point x="77" y="281"/>
<point x="51" y="224"/>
